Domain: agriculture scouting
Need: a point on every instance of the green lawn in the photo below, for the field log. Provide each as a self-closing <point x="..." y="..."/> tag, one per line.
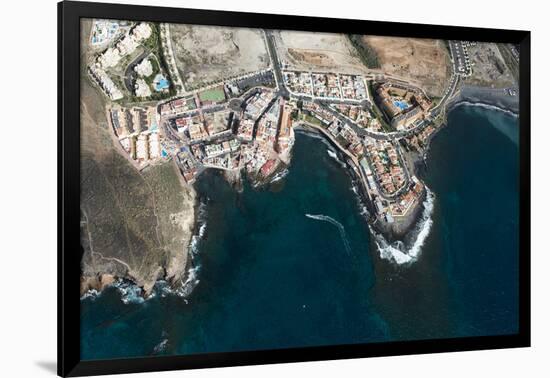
<point x="214" y="94"/>
<point x="311" y="119"/>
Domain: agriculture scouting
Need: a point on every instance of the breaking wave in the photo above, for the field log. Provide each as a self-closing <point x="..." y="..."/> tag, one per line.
<point x="338" y="225"/>
<point x="398" y="251"/>
<point x="484" y="105"/>
<point x="315" y="135"/>
<point x="363" y="209"/>
<point x="129" y="292"/>
<point x="187" y="287"/>
<point x="92" y="294"/>
<point x="279" y="176"/>
<point x="132" y="293"/>
<point x="192" y="280"/>
<point x="334" y="156"/>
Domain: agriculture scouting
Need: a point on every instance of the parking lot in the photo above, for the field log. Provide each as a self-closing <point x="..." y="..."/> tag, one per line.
<point x="461" y="60"/>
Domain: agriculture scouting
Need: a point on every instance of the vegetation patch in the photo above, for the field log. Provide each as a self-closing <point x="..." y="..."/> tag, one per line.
<point x="215" y="95"/>
<point x="366" y="53"/>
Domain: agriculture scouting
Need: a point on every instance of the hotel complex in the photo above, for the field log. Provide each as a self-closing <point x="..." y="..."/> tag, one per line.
<point x="247" y="123"/>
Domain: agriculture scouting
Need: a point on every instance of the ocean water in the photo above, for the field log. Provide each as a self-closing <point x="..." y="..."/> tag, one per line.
<point x="294" y="264"/>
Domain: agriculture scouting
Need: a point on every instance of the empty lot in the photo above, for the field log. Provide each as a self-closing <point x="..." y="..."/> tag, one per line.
<point x="318" y="52"/>
<point x="207" y="54"/>
<point x="425" y="61"/>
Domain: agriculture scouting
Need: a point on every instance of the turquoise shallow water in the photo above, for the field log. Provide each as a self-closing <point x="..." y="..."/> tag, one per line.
<point x="273" y="277"/>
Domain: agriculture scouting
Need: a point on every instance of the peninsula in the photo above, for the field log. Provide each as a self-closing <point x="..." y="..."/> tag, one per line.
<point x="172" y="104"/>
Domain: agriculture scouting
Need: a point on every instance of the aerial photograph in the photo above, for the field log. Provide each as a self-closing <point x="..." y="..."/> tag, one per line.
<point x="254" y="189"/>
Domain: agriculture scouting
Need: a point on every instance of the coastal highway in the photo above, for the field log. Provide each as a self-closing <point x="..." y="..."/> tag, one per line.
<point x="457" y="50"/>
<point x="449" y="92"/>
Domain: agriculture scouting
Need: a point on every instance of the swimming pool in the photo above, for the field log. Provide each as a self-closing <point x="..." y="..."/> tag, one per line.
<point x="401" y="104"/>
<point x="161" y="83"/>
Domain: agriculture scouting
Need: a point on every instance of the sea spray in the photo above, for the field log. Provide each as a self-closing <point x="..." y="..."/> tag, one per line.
<point x="186" y="287"/>
<point x="511" y="133"/>
<point x="397" y="251"/>
<point x="192" y="280"/>
<point x="129" y="292"/>
<point x="279" y="176"/>
<point x="338" y="225"/>
<point x="483" y="105"/>
<point x="190" y="283"/>
<point x="334" y="156"/>
<point x="92" y="294"/>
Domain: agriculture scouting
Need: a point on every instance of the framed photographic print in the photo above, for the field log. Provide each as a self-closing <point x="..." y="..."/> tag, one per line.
<point x="239" y="188"/>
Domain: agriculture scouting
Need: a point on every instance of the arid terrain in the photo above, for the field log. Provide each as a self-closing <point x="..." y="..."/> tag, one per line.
<point x="424" y="61"/>
<point x="318" y="52"/>
<point x="207" y="54"/>
<point x="137" y="170"/>
<point x="489" y="68"/>
<point x="134" y="224"/>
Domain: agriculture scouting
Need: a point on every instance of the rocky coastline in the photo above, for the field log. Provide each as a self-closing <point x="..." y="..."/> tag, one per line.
<point x="398" y="230"/>
<point x="101" y="269"/>
<point x="391" y="232"/>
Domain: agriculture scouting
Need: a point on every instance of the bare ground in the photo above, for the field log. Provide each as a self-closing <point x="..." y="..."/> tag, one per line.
<point x="489" y="68"/>
<point x="424" y="61"/>
<point x="127" y="217"/>
<point x="318" y="52"/>
<point x="206" y="54"/>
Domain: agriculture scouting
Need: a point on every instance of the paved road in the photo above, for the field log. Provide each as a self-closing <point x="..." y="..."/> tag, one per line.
<point x="130" y="75"/>
<point x="281" y="88"/>
<point x="358" y="129"/>
<point x="283" y="91"/>
<point x="324" y="103"/>
<point x="451" y="88"/>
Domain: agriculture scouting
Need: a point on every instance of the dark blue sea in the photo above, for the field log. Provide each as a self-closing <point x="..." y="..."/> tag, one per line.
<point x="294" y="264"/>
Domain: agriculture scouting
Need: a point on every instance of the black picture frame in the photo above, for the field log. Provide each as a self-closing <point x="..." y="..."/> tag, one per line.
<point x="69" y="249"/>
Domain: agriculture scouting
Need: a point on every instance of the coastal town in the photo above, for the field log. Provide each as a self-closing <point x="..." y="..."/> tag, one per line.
<point x="246" y="123"/>
<point x="246" y="188"/>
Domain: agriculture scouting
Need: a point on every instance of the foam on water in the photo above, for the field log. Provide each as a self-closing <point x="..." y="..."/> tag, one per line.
<point x="315" y="135"/>
<point x="279" y="176"/>
<point x="92" y="294"/>
<point x="363" y="209"/>
<point x="334" y="156"/>
<point x="129" y="292"/>
<point x="486" y="106"/>
<point x="338" y="225"/>
<point x="400" y="253"/>
<point x="192" y="280"/>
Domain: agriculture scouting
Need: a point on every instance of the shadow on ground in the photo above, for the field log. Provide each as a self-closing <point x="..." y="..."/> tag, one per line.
<point x="49" y="366"/>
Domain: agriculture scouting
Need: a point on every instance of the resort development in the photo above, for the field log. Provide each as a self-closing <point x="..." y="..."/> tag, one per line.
<point x="186" y="99"/>
<point x="252" y="189"/>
